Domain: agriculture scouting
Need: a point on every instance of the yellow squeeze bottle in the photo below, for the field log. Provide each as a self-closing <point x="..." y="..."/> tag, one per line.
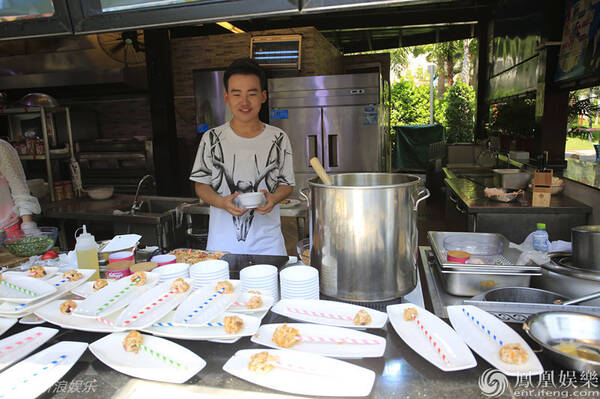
<point x="86" y="250"/>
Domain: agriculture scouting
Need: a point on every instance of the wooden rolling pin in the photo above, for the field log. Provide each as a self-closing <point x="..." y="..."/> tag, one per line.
<point x="320" y="171"/>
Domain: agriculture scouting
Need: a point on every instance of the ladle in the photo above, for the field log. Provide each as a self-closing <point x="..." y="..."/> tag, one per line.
<point x="320" y="171"/>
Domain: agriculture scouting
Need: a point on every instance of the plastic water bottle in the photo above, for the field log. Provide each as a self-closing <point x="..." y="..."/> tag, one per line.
<point x="540" y="238"/>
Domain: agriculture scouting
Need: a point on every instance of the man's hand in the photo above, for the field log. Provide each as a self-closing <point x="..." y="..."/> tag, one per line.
<point x="30" y="228"/>
<point x="270" y="202"/>
<point x="228" y="205"/>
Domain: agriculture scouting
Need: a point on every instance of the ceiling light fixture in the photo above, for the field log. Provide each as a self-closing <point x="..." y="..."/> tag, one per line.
<point x="230" y="27"/>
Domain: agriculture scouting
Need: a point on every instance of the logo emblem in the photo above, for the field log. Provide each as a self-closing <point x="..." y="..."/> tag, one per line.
<point x="492" y="383"/>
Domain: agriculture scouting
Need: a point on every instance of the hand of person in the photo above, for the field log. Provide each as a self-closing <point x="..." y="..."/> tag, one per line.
<point x="269" y="203"/>
<point x="30" y="228"/>
<point x="228" y="205"/>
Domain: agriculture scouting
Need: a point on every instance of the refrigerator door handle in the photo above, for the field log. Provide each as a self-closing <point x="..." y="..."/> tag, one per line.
<point x="313" y="148"/>
<point x="333" y="151"/>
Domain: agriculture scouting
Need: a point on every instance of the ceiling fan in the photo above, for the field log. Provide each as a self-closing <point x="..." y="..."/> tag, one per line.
<point x="126" y="47"/>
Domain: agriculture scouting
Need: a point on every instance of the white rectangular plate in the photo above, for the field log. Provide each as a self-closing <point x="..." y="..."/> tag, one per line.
<point x="114" y="297"/>
<point x="31" y="319"/>
<point x="431" y="338"/>
<point x="329" y="313"/>
<point x="238" y="307"/>
<point x="485" y="334"/>
<point x="323" y="376"/>
<point x="87" y="289"/>
<point x="63" y="287"/>
<point x="374" y="348"/>
<point x="166" y="328"/>
<point x="17" y="346"/>
<point x="50" y="272"/>
<point x="179" y="365"/>
<point x="34" y="375"/>
<point x="6" y="324"/>
<point x="205" y="304"/>
<point x="24" y="289"/>
<point x="151" y="306"/>
<point x="52" y="314"/>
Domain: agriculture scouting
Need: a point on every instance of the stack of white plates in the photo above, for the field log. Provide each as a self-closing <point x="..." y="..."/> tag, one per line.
<point x="262" y="278"/>
<point x="171" y="271"/>
<point x="299" y="282"/>
<point x="208" y="272"/>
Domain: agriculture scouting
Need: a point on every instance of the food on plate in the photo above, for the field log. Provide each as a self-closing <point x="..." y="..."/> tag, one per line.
<point x="259" y="363"/>
<point x="233" y="324"/>
<point x="224" y="287"/>
<point x="67" y="307"/>
<point x="139" y="278"/>
<point x="37" y="271"/>
<point x="285" y="336"/>
<point x="254" y="303"/>
<point x="254" y="292"/>
<point x="133" y="341"/>
<point x="179" y="286"/>
<point x="362" y="318"/>
<point x="72" y="275"/>
<point x="410" y="314"/>
<point x="306" y="256"/>
<point x="499" y="194"/>
<point x="195" y="255"/>
<point x="100" y="283"/>
<point x="513" y="354"/>
<point x="577" y="349"/>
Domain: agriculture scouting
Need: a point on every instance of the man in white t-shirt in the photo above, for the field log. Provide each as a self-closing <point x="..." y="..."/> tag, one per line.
<point x="244" y="155"/>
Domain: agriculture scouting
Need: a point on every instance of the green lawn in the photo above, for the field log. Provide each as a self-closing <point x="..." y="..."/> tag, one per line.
<point x="578" y="144"/>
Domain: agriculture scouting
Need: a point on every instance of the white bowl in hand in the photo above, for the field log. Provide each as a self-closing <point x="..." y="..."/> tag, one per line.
<point x="251" y="200"/>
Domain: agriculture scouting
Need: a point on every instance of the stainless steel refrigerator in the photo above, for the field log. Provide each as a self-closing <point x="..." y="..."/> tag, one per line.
<point x="340" y="119"/>
<point x="211" y="110"/>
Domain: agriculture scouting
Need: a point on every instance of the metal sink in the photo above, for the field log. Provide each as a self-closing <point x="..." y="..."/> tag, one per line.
<point x="158" y="205"/>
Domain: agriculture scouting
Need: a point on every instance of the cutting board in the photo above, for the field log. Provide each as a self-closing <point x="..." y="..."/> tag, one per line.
<point x="9" y="260"/>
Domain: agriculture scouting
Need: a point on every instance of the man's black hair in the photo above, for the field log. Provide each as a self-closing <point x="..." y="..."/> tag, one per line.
<point x="245" y="66"/>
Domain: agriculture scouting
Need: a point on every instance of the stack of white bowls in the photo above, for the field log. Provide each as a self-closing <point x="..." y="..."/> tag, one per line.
<point x="171" y="271"/>
<point x="299" y="282"/>
<point x="208" y="272"/>
<point x="262" y="278"/>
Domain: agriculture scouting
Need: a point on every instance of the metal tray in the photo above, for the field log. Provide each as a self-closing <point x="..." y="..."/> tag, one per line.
<point x="511" y="255"/>
<point x="472" y="283"/>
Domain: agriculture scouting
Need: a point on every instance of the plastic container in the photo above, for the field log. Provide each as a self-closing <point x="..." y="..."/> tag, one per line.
<point x="86" y="250"/>
<point x="540" y="238"/>
<point x="474" y="245"/>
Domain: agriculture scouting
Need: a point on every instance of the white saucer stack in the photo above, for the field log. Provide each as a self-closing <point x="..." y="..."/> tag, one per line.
<point x="208" y="272"/>
<point x="299" y="282"/>
<point x="261" y="278"/>
<point x="171" y="271"/>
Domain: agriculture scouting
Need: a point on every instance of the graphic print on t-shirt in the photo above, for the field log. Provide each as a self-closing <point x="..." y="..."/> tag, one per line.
<point x="242" y="181"/>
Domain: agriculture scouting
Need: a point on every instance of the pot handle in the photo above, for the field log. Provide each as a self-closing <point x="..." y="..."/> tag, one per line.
<point x="423" y="194"/>
<point x="305" y="193"/>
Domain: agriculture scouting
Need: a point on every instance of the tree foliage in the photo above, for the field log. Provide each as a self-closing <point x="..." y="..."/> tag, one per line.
<point x="410" y="104"/>
<point x="459" y="113"/>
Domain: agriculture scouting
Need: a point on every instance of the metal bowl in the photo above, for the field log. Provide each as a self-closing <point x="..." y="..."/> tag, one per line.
<point x="303" y="248"/>
<point x="520" y="294"/>
<point x="38" y="100"/>
<point x="549" y="329"/>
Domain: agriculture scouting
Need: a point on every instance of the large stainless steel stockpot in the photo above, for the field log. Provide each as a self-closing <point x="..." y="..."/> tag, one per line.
<point x="586" y="247"/>
<point x="364" y="234"/>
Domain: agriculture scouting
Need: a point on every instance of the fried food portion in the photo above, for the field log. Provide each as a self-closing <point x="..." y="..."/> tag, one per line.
<point x="513" y="354"/>
<point x="67" y="307"/>
<point x="254" y="303"/>
<point x="254" y="292"/>
<point x="285" y="336"/>
<point x="224" y="287"/>
<point x="100" y="283"/>
<point x="180" y="286"/>
<point x="233" y="324"/>
<point x="410" y="314"/>
<point x="259" y="363"/>
<point x="196" y="255"/>
<point x="72" y="275"/>
<point x="140" y="277"/>
<point x="362" y="318"/>
<point x="132" y="341"/>
<point x="37" y="271"/>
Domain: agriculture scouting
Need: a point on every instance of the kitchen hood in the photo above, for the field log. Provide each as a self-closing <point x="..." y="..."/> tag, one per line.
<point x="81" y="61"/>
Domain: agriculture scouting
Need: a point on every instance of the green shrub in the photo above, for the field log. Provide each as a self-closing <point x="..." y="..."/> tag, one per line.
<point x="459" y="113"/>
<point x="410" y="104"/>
